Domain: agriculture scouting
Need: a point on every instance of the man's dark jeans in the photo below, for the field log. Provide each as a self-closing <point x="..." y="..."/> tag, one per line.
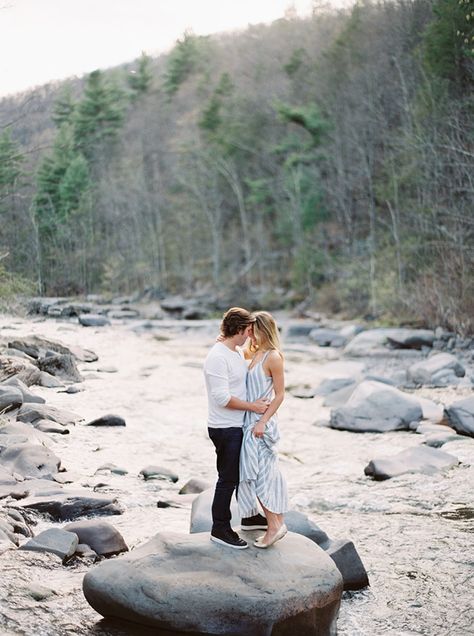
<point x="227" y="442"/>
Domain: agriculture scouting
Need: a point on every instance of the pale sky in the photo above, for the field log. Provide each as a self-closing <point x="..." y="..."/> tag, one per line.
<point x="45" y="40"/>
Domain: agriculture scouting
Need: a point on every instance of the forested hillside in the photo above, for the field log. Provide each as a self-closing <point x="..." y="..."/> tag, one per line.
<point x="329" y="158"/>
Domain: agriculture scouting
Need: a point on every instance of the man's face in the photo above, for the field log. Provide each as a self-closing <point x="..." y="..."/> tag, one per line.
<point x="246" y="333"/>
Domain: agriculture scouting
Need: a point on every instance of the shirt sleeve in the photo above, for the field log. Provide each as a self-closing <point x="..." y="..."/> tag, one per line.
<point x="218" y="379"/>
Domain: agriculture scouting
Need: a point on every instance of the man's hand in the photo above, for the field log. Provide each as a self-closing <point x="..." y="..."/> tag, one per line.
<point x="259" y="406"/>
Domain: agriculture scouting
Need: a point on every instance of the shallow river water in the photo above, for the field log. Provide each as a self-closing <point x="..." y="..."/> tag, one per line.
<point x="414" y="533"/>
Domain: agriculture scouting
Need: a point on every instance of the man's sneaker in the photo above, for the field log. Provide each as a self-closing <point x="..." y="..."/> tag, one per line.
<point x="257" y="522"/>
<point x="229" y="538"/>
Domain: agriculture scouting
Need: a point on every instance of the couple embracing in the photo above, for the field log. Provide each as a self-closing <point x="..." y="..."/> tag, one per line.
<point x="245" y="387"/>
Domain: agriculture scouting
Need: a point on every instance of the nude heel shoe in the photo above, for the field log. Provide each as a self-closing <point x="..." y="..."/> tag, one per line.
<point x="279" y="535"/>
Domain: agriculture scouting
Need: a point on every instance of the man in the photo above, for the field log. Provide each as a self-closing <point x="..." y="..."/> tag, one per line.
<point x="225" y="371"/>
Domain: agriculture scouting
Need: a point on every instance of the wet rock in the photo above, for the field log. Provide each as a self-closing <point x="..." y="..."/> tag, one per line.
<point x="28" y="396"/>
<point x="420" y="459"/>
<point x="381" y="340"/>
<point x="327" y="337"/>
<point x="99" y="535"/>
<point x="53" y="540"/>
<point x="93" y="320"/>
<point x="158" y="472"/>
<point x="108" y="420"/>
<point x="349" y="564"/>
<point x="194" y="486"/>
<point x="30" y="460"/>
<point x="461" y="416"/>
<point x="68" y="506"/>
<point x="187" y="583"/>
<point x="378" y="408"/>
<point x="10" y="398"/>
<point x="22" y="369"/>
<point x="435" y="367"/>
<point x="32" y="414"/>
<point x="62" y="366"/>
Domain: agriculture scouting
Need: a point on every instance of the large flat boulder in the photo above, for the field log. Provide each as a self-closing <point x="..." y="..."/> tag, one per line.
<point x="188" y="583"/>
<point x="343" y="552"/>
<point x="421" y="459"/>
<point x="376" y="407"/>
<point x="28" y="396"/>
<point x="435" y="368"/>
<point x="461" y="416"/>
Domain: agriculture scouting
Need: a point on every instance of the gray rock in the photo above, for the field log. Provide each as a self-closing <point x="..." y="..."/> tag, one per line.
<point x="37" y="346"/>
<point x="436" y="440"/>
<point x="339" y="397"/>
<point x="54" y="540"/>
<point x="108" y="420"/>
<point x="61" y="365"/>
<point x="158" y="472"/>
<point x="423" y="372"/>
<point x="86" y="552"/>
<point x="194" y="486"/>
<point x="49" y="381"/>
<point x="349" y="331"/>
<point x="28" y="396"/>
<point x="40" y="592"/>
<point x="379" y="341"/>
<point x="326" y="387"/>
<point x="461" y="416"/>
<point x="187" y="583"/>
<point x="68" y="506"/>
<point x="73" y="388"/>
<point x="327" y="337"/>
<point x="299" y="331"/>
<point x="378" y="408"/>
<point x="10" y="398"/>
<point x="93" y="320"/>
<point x="123" y="314"/>
<point x="16" y="367"/>
<point x="420" y="459"/>
<point x="303" y="393"/>
<point x="344" y="553"/>
<point x="30" y="460"/>
<point x="99" y="535"/>
<point x="32" y="414"/>
<point x="48" y="426"/>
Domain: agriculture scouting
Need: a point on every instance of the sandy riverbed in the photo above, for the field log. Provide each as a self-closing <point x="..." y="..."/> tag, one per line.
<point x="413" y="533"/>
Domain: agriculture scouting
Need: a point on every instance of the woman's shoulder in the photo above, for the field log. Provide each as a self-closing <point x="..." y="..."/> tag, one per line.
<point x="274" y="356"/>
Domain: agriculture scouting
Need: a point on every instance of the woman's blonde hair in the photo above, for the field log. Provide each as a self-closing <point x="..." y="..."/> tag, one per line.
<point x="265" y="332"/>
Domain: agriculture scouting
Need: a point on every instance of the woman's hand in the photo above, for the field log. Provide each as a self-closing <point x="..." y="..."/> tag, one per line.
<point x="259" y="428"/>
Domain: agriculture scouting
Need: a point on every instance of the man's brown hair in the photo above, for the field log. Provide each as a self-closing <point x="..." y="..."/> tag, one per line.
<point x="234" y="321"/>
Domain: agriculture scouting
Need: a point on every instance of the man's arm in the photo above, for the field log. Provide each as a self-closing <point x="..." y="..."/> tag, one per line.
<point x="218" y="380"/>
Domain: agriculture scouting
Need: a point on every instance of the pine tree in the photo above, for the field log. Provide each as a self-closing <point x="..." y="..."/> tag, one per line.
<point x="140" y="80"/>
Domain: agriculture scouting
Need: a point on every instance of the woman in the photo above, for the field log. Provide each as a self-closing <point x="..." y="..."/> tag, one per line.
<point x="260" y="477"/>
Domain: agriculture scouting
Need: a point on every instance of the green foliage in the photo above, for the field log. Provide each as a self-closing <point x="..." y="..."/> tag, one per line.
<point x="64" y="107"/>
<point x="210" y="118"/>
<point x="99" y="115"/>
<point x="140" y="80"/>
<point x="308" y="117"/>
<point x="181" y="63"/>
<point x="295" y="62"/>
<point x="449" y="41"/>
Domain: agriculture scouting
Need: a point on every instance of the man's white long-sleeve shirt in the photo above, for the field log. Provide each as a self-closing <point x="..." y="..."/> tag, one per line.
<point x="225" y="372"/>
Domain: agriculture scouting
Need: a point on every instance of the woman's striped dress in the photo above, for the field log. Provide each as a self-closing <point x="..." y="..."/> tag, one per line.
<point x="260" y="475"/>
